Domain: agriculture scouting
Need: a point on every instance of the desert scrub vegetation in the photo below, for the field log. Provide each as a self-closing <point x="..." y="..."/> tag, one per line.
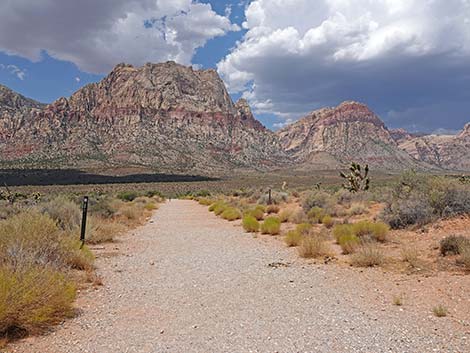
<point x="293" y="238"/>
<point x="250" y="224"/>
<point x="454" y="245"/>
<point x="271" y="225"/>
<point x="313" y="246"/>
<point x="36" y="257"/>
<point x="368" y="255"/>
<point x="231" y="214"/>
<point x="349" y="243"/>
<point x="256" y="212"/>
<point x="417" y="200"/>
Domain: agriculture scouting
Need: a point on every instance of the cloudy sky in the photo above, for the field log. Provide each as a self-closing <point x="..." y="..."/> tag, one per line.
<point x="409" y="60"/>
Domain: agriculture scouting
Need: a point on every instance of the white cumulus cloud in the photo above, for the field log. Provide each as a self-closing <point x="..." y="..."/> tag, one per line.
<point x="96" y="35"/>
<point x="298" y="55"/>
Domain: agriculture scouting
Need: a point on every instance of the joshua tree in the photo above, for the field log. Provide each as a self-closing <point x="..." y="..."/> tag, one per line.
<point x="356" y="180"/>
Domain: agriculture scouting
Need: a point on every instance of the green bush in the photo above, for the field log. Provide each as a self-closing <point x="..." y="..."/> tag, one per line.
<point x="371" y="230"/>
<point x="340" y="230"/>
<point x="293" y="238"/>
<point x="349" y="243"/>
<point x="256" y="212"/>
<point x="303" y="228"/>
<point x="205" y="201"/>
<point x="250" y="224"/>
<point x="271" y="225"/>
<point x="231" y="214"/>
<point x="327" y="221"/>
<point x="127" y="195"/>
<point x="315" y="214"/>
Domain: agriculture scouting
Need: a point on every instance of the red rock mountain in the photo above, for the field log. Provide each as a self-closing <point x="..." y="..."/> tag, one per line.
<point x="444" y="151"/>
<point x="166" y="116"/>
<point x="348" y="132"/>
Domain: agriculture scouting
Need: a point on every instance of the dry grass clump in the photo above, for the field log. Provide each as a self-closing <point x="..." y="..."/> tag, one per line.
<point x="439" y="311"/>
<point x="101" y="230"/>
<point x="313" y="246"/>
<point x="464" y="258"/>
<point x="398" y="300"/>
<point x="367" y="256"/>
<point x="357" y="209"/>
<point x="453" y="244"/>
<point x="293" y="238"/>
<point x="218" y="207"/>
<point x="411" y="256"/>
<point x="340" y="230"/>
<point x="65" y="212"/>
<point x="272" y="209"/>
<point x="131" y="212"/>
<point x="231" y="214"/>
<point x="303" y="228"/>
<point x="250" y="224"/>
<point x="285" y="214"/>
<point x="150" y="206"/>
<point x="33" y="298"/>
<point x="205" y="201"/>
<point x="271" y="225"/>
<point x="298" y="216"/>
<point x="276" y="198"/>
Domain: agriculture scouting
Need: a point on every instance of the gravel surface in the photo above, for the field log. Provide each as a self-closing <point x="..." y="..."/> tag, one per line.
<point x="191" y="282"/>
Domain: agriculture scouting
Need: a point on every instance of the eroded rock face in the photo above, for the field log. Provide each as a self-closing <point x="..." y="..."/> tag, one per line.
<point x="166" y="116"/>
<point x="445" y="151"/>
<point x="349" y="132"/>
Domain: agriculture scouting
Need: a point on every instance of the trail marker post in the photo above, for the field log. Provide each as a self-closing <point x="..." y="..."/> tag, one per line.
<point x="269" y="197"/>
<point x="84" y="214"/>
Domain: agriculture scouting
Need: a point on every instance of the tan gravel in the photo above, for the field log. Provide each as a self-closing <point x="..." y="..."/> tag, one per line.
<point x="191" y="282"/>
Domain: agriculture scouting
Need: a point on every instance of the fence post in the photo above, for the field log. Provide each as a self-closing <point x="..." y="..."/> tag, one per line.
<point x="84" y="214"/>
<point x="269" y="197"/>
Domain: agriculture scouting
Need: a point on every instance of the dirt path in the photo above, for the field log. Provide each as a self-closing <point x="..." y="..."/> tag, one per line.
<point x="191" y="282"/>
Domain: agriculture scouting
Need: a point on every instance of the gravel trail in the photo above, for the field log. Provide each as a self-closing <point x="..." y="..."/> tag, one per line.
<point x="188" y="281"/>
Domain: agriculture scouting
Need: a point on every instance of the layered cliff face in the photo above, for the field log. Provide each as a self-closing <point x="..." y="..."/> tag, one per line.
<point x="445" y="151"/>
<point x="166" y="116"/>
<point x="349" y="132"/>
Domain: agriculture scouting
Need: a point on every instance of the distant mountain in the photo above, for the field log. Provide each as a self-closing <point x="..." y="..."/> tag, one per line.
<point x="348" y="132"/>
<point x="444" y="151"/>
<point x="173" y="119"/>
<point x="165" y="116"/>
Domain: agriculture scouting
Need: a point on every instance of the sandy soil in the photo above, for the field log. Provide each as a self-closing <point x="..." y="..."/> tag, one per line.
<point x="191" y="282"/>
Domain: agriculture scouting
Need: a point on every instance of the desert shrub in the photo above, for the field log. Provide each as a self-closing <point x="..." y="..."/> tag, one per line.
<point x="411" y="256"/>
<point x="205" y="201"/>
<point x="439" y="311"/>
<point x="453" y="244"/>
<point x="231" y="214"/>
<point x="271" y="225"/>
<point x="100" y="230"/>
<point x="33" y="298"/>
<point x="131" y="212"/>
<point x="66" y="213"/>
<point x="105" y="207"/>
<point x="293" y="238"/>
<point x="150" y="206"/>
<point x="357" y="209"/>
<point x="298" y="216"/>
<point x="273" y="209"/>
<point x="276" y="198"/>
<point x="316" y="198"/>
<point x="349" y="243"/>
<point x="201" y="193"/>
<point x="303" y="228"/>
<point x="315" y="214"/>
<point x="340" y="230"/>
<point x="327" y="221"/>
<point x="127" y="195"/>
<point x="285" y="214"/>
<point x="250" y="224"/>
<point x="218" y="207"/>
<point x="464" y="258"/>
<point x="371" y="230"/>
<point x="155" y="194"/>
<point x="367" y="256"/>
<point x="256" y="212"/>
<point x="313" y="247"/>
<point x="418" y="200"/>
